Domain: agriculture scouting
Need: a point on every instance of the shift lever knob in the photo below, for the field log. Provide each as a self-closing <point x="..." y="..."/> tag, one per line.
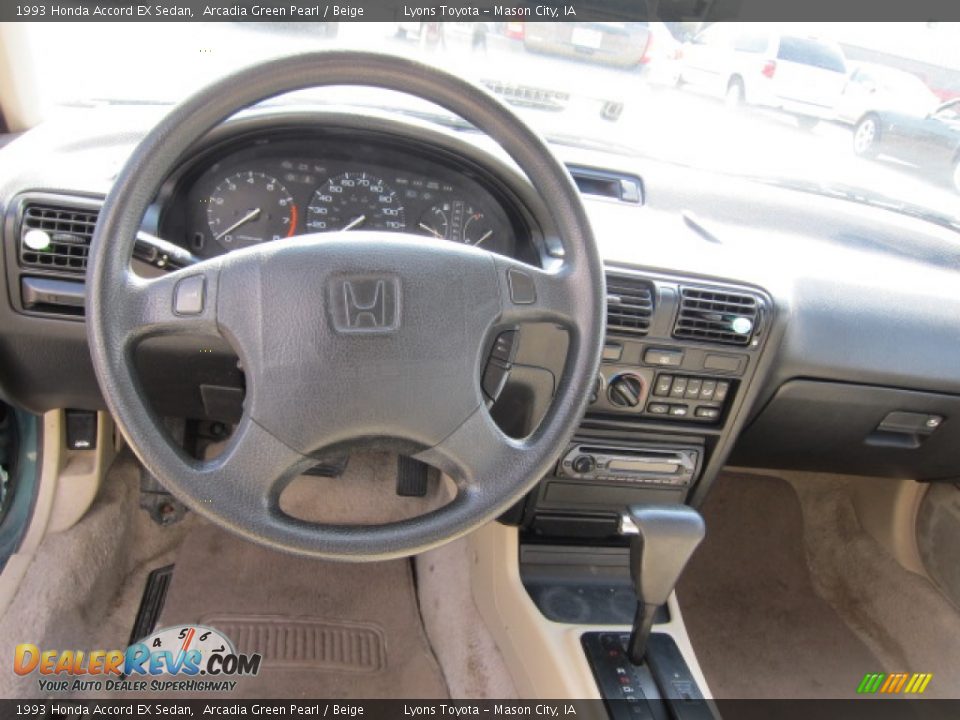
<point x="665" y="539"/>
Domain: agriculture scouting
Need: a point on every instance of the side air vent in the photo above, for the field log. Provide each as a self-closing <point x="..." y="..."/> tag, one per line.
<point x="716" y="315"/>
<point x="629" y="304"/>
<point x="55" y="237"/>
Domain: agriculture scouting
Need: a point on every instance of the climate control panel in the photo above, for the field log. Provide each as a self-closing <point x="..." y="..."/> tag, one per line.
<point x="689" y="397"/>
<point x="657" y="385"/>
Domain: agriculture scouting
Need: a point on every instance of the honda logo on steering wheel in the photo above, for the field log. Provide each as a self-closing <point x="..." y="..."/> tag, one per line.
<point x="366" y="304"/>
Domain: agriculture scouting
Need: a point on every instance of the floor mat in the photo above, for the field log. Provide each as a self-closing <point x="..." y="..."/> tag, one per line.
<point x="758" y="627"/>
<point x="343" y="630"/>
<point x="901" y="616"/>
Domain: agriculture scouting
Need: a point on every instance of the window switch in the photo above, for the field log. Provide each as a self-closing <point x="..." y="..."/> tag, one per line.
<point x="81" y="430"/>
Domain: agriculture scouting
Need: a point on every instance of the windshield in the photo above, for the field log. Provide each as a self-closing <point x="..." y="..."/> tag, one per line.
<point x="781" y="103"/>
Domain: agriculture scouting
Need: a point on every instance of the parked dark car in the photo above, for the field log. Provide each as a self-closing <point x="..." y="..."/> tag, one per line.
<point x="618" y="44"/>
<point x="930" y="141"/>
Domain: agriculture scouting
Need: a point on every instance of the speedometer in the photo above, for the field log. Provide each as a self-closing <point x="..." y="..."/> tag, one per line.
<point x="355" y="200"/>
<point x="248" y="208"/>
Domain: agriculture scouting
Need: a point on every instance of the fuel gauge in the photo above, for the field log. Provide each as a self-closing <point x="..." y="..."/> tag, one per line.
<point x="436" y="221"/>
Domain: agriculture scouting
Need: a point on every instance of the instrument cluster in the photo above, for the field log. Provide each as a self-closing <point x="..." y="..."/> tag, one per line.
<point x="273" y="189"/>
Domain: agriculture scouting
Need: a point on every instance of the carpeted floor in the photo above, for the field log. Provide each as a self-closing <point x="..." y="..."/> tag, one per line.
<point x="84" y="587"/>
<point x="788" y="597"/>
<point x="756" y="623"/>
<point x="325" y="629"/>
<point x="901" y="616"/>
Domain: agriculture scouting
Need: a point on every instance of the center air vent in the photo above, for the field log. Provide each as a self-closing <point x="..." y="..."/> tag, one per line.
<point x="716" y="315"/>
<point x="55" y="237"/>
<point x="629" y="304"/>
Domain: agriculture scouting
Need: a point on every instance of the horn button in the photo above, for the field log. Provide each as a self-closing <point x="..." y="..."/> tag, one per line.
<point x="359" y="334"/>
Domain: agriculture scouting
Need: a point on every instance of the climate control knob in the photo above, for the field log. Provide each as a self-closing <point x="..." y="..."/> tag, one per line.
<point x="626" y="390"/>
<point x="583" y="464"/>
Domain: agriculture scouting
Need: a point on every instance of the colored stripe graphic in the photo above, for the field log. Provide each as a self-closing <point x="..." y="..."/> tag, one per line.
<point x="894" y="683"/>
<point x="926" y="681"/>
<point x="870" y="683"/>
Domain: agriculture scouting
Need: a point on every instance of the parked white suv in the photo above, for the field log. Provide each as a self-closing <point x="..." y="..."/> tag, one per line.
<point x="803" y="76"/>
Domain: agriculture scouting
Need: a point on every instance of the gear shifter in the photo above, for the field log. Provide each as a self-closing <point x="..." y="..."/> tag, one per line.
<point x="664" y="540"/>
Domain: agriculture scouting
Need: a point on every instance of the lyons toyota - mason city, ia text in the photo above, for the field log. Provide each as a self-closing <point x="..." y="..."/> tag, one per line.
<point x="459" y="12"/>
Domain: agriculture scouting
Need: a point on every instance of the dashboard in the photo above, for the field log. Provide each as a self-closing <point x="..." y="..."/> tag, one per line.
<point x="276" y="186"/>
<point x="856" y="305"/>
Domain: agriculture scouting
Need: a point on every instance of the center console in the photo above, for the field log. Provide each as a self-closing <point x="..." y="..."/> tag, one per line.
<point x="680" y="365"/>
<point x="679" y="358"/>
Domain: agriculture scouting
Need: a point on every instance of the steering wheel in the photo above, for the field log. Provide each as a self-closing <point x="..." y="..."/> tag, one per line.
<point x="346" y="336"/>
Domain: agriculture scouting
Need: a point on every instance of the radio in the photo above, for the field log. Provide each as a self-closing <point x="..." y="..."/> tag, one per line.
<point x="671" y="467"/>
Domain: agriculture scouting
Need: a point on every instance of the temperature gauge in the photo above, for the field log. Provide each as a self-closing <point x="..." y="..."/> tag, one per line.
<point x="474" y="230"/>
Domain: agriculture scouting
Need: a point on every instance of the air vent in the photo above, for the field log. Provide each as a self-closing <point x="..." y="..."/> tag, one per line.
<point x="55" y="237"/>
<point x="629" y="304"/>
<point x="715" y="315"/>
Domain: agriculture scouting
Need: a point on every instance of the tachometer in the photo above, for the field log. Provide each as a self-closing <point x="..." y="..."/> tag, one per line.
<point x="248" y="208"/>
<point x="355" y="200"/>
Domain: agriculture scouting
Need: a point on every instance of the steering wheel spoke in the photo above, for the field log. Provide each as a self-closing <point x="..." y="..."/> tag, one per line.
<point x="183" y="302"/>
<point x="476" y="453"/>
<point x="530" y="294"/>
<point x="255" y="465"/>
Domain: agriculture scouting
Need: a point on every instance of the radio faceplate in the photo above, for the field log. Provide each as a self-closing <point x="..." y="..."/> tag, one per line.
<point x="674" y="467"/>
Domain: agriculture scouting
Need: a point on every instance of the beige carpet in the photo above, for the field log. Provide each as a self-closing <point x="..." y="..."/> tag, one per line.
<point x="468" y="654"/>
<point x="902" y="617"/>
<point x="325" y="629"/>
<point x="83" y="588"/>
<point x="758" y="627"/>
<point x="85" y="584"/>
